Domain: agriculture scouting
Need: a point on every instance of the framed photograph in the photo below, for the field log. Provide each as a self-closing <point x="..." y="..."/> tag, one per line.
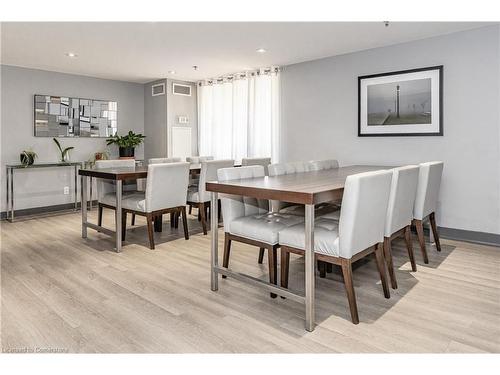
<point x="403" y="103"/>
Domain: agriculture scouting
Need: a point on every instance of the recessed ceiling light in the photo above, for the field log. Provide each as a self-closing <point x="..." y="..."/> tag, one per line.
<point x="261" y="50"/>
<point x="171" y="72"/>
<point x="71" y="54"/>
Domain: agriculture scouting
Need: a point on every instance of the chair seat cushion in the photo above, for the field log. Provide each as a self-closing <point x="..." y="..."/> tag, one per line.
<point x="135" y="202"/>
<point x="264" y="228"/>
<point x="326" y="237"/>
<point x="193" y="194"/>
<point x="110" y="198"/>
<point x="335" y="215"/>
<point x="319" y="210"/>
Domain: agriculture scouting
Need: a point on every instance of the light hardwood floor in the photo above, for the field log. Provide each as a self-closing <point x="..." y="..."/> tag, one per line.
<point x="60" y="291"/>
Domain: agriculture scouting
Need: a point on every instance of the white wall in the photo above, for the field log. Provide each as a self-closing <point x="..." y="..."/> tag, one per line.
<point x="319" y="119"/>
<point x="44" y="187"/>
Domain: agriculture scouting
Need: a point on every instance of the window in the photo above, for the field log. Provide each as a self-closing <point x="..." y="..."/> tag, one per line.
<point x="239" y="116"/>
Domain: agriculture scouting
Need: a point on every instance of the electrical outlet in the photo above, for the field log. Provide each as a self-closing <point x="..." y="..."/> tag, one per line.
<point x="66" y="190"/>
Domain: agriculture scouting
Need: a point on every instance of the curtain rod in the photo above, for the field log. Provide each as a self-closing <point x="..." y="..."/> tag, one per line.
<point x="241" y="75"/>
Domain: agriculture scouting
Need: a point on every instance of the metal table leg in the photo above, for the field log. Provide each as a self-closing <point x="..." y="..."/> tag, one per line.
<point x="118" y="216"/>
<point x="91" y="187"/>
<point x="7" y="194"/>
<point x="12" y="194"/>
<point x="76" y="187"/>
<point x="83" y="201"/>
<point x="214" y="207"/>
<point x="309" y="266"/>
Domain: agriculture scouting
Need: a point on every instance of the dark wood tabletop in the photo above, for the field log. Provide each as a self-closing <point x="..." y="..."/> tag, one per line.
<point x="301" y="188"/>
<point x="128" y="173"/>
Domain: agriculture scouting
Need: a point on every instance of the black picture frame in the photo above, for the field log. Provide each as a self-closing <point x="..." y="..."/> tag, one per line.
<point x="439" y="68"/>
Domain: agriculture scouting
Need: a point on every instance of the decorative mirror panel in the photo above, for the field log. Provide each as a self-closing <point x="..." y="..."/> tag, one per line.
<point x="58" y="116"/>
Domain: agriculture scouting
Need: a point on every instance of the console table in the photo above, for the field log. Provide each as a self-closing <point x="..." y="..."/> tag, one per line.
<point x="10" y="181"/>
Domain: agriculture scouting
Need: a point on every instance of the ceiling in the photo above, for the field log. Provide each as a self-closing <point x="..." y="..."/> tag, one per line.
<point x="144" y="51"/>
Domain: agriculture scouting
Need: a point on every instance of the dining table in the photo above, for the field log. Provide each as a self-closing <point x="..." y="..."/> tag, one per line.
<point x="308" y="189"/>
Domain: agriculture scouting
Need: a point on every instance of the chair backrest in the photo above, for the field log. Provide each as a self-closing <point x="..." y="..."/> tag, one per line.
<point x="198" y="159"/>
<point x="363" y="212"/>
<point x="429" y="181"/>
<point x="163" y="160"/>
<point x="319" y="165"/>
<point x="209" y="173"/>
<point x="105" y="186"/>
<point x="401" y="199"/>
<point x="257" y="161"/>
<point x="235" y="206"/>
<point x="166" y="185"/>
<point x="279" y="169"/>
<point x="288" y="168"/>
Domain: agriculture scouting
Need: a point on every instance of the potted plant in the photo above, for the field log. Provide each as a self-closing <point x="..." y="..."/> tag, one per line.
<point x="64" y="152"/>
<point x="28" y="157"/>
<point x="126" y="143"/>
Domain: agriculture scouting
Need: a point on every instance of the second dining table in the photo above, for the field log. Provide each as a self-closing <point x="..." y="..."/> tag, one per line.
<point x="118" y="175"/>
<point x="308" y="189"/>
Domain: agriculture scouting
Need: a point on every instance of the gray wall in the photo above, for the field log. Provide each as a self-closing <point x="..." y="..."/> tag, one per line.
<point x="161" y="113"/>
<point x="179" y="105"/>
<point x="44" y="187"/>
<point x="155" y="122"/>
<point x="319" y="119"/>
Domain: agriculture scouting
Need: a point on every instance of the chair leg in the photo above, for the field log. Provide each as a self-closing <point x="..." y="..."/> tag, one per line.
<point x="432" y="219"/>
<point x="261" y="255"/>
<point x="176" y="216"/>
<point x="329" y="268"/>
<point x="273" y="268"/>
<point x="99" y="215"/>
<point x="409" y="246"/>
<point x="285" y="267"/>
<point x="389" y="261"/>
<point x="349" y="288"/>
<point x="149" y="219"/>
<point x="227" y="252"/>
<point x="184" y="222"/>
<point x="190" y="209"/>
<point x="219" y="211"/>
<point x="379" y="256"/>
<point x="420" y="232"/>
<point x="322" y="269"/>
<point x="133" y="219"/>
<point x="203" y="217"/>
<point x="172" y="220"/>
<point x="158" y="223"/>
<point x="124" y="224"/>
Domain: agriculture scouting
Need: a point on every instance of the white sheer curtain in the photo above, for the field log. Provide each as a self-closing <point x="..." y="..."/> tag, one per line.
<point x="239" y="116"/>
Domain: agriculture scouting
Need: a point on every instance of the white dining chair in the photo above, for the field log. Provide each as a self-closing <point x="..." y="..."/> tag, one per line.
<point x="164" y="160"/>
<point x="106" y="189"/>
<point x="358" y="233"/>
<point x="166" y="192"/>
<point x="256" y="161"/>
<point x="400" y="214"/>
<point x="249" y="220"/>
<point x="194" y="178"/>
<point x="429" y="182"/>
<point x="280" y="169"/>
<point x="198" y="196"/>
<point x="198" y="159"/>
<point x="320" y="165"/>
